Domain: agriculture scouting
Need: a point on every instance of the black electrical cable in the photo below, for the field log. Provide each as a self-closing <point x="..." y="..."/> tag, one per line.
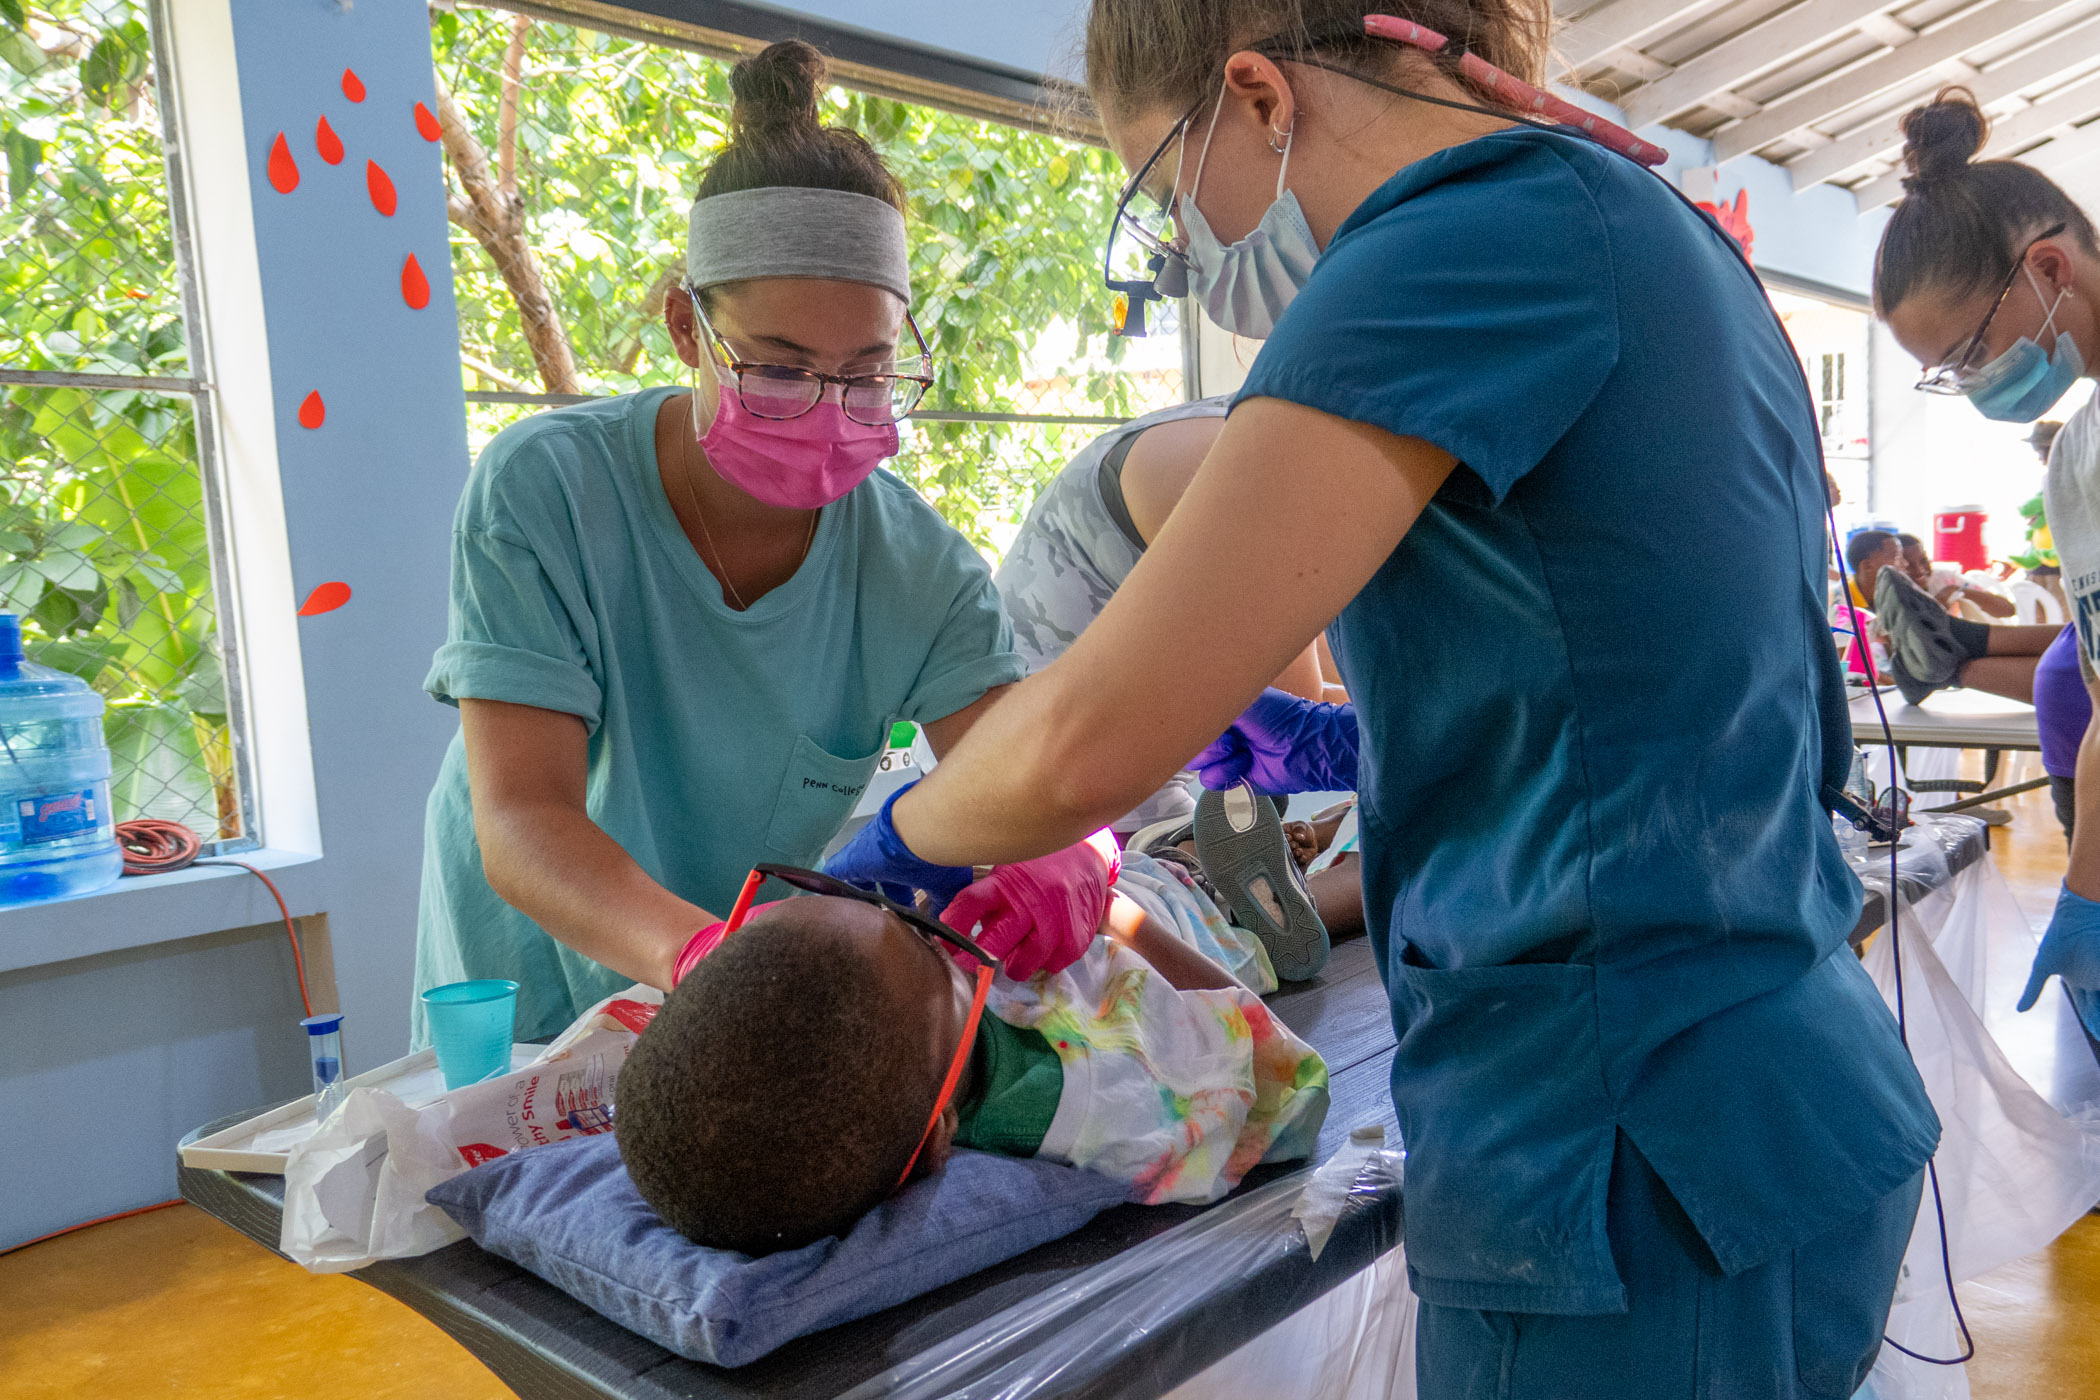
<point x="1932" y="1171"/>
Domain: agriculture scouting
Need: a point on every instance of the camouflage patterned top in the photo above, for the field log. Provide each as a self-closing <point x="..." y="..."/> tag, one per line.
<point x="1074" y="550"/>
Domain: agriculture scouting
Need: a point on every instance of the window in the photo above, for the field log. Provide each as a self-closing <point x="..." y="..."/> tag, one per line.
<point x="108" y="520"/>
<point x="1830" y="401"/>
<point x="572" y="157"/>
<point x="1832" y="342"/>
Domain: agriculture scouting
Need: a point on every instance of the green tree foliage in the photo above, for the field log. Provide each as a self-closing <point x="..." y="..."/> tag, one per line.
<point x="102" y="527"/>
<point x="1005" y="227"/>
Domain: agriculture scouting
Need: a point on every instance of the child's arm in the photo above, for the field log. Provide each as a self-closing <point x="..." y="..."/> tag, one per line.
<point x="1184" y="968"/>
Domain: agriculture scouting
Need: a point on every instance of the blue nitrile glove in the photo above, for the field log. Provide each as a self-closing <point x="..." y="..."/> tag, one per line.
<point x="2070" y="950"/>
<point x="1284" y="744"/>
<point x="877" y="859"/>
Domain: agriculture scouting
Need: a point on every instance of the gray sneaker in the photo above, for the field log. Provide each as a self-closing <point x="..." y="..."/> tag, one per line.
<point x="1247" y="859"/>
<point x="1919" y="634"/>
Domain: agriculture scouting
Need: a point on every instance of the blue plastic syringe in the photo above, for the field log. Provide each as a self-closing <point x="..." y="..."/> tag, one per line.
<point x="324" y="1039"/>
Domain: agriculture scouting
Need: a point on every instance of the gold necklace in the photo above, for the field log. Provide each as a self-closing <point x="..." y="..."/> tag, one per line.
<point x="692" y="498"/>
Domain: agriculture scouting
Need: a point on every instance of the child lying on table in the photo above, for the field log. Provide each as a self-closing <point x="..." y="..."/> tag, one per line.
<point x="796" y="1076"/>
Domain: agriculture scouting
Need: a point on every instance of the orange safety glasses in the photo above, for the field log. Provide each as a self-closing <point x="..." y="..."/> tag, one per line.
<point x="937" y="934"/>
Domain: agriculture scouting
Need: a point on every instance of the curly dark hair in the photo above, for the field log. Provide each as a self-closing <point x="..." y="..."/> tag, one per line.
<point x="772" y="1101"/>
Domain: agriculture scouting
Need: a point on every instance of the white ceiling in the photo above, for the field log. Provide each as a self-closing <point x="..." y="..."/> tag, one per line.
<point x="1817" y="86"/>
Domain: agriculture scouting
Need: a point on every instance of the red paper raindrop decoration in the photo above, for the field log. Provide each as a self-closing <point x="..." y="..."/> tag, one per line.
<point x="328" y="143"/>
<point x="415" y="287"/>
<point x="381" y="187"/>
<point x="427" y="124"/>
<point x="353" y="86"/>
<point x="312" y="412"/>
<point x="284" y="171"/>
<point x="327" y="598"/>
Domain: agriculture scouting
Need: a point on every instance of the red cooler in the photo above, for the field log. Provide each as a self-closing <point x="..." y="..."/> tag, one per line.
<point x="1957" y="537"/>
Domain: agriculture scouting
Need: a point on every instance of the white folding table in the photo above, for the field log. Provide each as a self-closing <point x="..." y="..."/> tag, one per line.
<point x="1951" y="719"/>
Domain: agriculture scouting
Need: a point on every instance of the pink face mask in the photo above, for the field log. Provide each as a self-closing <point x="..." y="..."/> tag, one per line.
<point x="795" y="463"/>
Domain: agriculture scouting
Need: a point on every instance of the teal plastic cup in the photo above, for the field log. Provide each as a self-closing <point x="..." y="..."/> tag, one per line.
<point x="470" y="1026"/>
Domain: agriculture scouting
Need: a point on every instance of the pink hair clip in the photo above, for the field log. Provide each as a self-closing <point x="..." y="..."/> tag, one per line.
<point x="1515" y="92"/>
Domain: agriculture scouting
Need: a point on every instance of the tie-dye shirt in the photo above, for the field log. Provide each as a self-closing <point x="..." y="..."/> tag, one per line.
<point x="1180" y="1093"/>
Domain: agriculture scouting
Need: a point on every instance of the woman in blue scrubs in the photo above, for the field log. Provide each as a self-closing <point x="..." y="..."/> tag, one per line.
<point x="683" y="622"/>
<point x="1663" y="1137"/>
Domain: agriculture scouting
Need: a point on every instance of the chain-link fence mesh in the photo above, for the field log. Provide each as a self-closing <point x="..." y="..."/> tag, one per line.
<point x="572" y="156"/>
<point x="105" y="546"/>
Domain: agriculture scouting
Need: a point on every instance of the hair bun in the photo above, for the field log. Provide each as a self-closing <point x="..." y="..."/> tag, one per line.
<point x="775" y="90"/>
<point x="1943" y="136"/>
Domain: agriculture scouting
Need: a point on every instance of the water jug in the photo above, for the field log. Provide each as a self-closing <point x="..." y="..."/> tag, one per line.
<point x="57" y="833"/>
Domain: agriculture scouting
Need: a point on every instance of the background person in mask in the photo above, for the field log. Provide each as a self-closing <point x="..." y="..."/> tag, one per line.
<point x="1989" y="275"/>
<point x="682" y="622"/>
<point x="1663" y="1139"/>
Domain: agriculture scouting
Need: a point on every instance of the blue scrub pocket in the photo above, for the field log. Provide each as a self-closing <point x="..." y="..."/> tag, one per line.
<point x="1509" y="1136"/>
<point x="817" y="794"/>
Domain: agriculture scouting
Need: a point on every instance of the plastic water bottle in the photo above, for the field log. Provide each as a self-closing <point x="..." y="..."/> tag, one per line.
<point x="57" y="833"/>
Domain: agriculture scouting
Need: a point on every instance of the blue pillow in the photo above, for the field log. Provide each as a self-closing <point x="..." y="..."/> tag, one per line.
<point x="569" y="1213"/>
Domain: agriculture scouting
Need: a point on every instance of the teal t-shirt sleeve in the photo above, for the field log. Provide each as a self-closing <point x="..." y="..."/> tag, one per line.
<point x="510" y="637"/>
<point x="972" y="653"/>
<point x="517" y="591"/>
<point x="1469" y="302"/>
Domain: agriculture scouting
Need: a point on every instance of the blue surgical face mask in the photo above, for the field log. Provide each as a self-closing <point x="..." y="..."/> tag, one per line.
<point x="2022" y="384"/>
<point x="1245" y="285"/>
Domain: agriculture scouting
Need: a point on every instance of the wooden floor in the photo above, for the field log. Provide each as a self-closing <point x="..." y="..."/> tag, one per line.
<point x="175" y="1304"/>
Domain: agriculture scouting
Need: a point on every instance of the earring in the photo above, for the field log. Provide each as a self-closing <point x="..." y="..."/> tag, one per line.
<point x="1275" y="135"/>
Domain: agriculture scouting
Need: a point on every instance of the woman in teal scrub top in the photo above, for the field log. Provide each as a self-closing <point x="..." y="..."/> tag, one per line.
<point x="1663" y="1138"/>
<point x="683" y="622"/>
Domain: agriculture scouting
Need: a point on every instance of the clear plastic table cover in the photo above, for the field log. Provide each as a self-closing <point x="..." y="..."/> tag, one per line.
<point x="1926" y="857"/>
<point x="1122" y="1328"/>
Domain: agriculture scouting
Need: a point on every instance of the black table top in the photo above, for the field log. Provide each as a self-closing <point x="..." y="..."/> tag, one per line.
<point x="543" y="1343"/>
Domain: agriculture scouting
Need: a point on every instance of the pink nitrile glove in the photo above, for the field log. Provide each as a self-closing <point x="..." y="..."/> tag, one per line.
<point x="709" y="939"/>
<point x="1040" y="915"/>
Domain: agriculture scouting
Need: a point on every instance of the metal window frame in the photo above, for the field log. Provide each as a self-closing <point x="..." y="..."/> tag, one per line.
<point x="197" y="388"/>
<point x="867" y="62"/>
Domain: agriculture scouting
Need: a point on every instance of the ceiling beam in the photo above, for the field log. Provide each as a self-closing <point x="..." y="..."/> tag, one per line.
<point x="2069" y="149"/>
<point x="2084" y="143"/>
<point x="1785" y="35"/>
<point x="2063" y="50"/>
<point x="1620" y="24"/>
<point x="1795" y="113"/>
<point x="2008" y="134"/>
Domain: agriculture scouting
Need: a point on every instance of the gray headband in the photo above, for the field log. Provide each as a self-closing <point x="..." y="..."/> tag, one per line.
<point x="789" y="231"/>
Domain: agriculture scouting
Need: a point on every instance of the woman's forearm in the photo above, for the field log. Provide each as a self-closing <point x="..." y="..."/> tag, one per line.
<point x="1153" y="679"/>
<point x="528" y="772"/>
<point x="558" y="868"/>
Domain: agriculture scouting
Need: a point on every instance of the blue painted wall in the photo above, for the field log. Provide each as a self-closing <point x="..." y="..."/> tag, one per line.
<point x="369" y="496"/>
<point x="107" y="1061"/>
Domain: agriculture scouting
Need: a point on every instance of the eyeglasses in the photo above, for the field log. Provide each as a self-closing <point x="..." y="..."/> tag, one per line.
<point x="1956" y="375"/>
<point x="785" y="391"/>
<point x="937" y="934"/>
<point x="1133" y="273"/>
